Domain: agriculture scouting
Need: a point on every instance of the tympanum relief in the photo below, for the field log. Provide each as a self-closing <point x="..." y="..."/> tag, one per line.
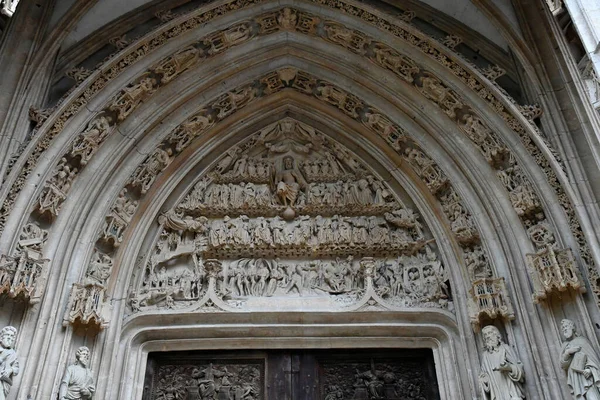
<point x="289" y="219"/>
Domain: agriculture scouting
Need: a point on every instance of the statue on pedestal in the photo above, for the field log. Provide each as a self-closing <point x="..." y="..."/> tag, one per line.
<point x="78" y="382"/>
<point x="581" y="362"/>
<point x="9" y="366"/>
<point x="502" y="374"/>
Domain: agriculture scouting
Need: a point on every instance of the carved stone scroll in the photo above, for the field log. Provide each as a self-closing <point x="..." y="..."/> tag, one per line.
<point x="553" y="271"/>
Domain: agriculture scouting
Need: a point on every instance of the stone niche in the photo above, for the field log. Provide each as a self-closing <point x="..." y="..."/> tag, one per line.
<point x="291" y="220"/>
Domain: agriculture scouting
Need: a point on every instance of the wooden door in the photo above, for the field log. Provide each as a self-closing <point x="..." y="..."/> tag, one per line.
<point x="292" y="375"/>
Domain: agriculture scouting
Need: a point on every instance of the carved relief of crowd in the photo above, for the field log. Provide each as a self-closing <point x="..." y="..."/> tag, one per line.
<point x="291" y="213"/>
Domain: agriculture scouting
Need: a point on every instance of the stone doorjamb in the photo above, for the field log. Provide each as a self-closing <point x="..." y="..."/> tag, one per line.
<point x="265" y="331"/>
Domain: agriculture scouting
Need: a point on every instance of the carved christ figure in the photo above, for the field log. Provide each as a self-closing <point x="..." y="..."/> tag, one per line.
<point x="288" y="181"/>
<point x="502" y="373"/>
<point x="580" y="360"/>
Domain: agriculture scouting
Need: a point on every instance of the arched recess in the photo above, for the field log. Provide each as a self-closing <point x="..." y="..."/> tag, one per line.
<point x="400" y="103"/>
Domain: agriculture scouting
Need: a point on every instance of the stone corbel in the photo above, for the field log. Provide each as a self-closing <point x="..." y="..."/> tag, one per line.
<point x="87" y="307"/>
<point x="553" y="271"/>
<point x="23" y="276"/>
<point x="488" y="299"/>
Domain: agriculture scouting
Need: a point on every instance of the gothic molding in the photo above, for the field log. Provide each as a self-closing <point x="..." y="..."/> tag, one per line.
<point x="144" y="122"/>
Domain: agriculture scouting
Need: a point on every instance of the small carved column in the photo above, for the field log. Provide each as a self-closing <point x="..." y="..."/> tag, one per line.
<point x="553" y="271"/>
<point x="368" y="267"/>
<point x="87" y="306"/>
<point x="489" y="298"/>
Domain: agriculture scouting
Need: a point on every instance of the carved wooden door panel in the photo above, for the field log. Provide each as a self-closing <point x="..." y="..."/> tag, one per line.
<point x="292" y="375"/>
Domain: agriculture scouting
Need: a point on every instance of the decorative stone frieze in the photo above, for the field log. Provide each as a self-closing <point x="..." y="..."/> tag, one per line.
<point x="531" y="112"/>
<point x="39" y="116"/>
<point x="165" y="16"/>
<point x="119" y="42"/>
<point x="289" y="214"/>
<point x="429" y="85"/>
<point x="493" y="72"/>
<point x="78" y="74"/>
<point x="451" y="41"/>
<point x="87" y="306"/>
<point x="489" y="300"/>
<point x="553" y="272"/>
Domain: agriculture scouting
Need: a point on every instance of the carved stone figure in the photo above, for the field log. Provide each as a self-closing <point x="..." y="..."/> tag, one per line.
<point x="502" y="374"/>
<point x="89" y="141"/>
<point x="57" y="188"/>
<point x="78" y="381"/>
<point x="581" y="362"/>
<point x="288" y="181"/>
<point x="9" y="366"/>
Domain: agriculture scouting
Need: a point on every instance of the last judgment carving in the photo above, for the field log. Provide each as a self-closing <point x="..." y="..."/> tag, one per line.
<point x="291" y="214"/>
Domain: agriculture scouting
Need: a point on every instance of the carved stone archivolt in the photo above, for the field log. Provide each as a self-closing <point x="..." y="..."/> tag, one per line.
<point x="288" y="19"/>
<point x="289" y="218"/>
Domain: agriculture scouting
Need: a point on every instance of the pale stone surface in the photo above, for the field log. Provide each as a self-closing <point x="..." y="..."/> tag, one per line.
<point x="294" y="174"/>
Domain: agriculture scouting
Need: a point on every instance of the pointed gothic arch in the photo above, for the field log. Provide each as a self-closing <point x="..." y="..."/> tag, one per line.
<point x="412" y="90"/>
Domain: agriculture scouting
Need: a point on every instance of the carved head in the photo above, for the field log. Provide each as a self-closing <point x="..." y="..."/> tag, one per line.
<point x="8" y="334"/>
<point x="83" y="356"/>
<point x="288" y="162"/>
<point x="491" y="337"/>
<point x="568" y="329"/>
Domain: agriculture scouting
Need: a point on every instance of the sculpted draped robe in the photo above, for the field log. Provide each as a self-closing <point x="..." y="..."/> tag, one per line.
<point x="76" y="379"/>
<point x="586" y="358"/>
<point x="502" y="385"/>
<point x="8" y="361"/>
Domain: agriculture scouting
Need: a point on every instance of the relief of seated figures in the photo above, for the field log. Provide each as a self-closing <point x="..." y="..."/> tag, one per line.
<point x="288" y="169"/>
<point x="245" y="237"/>
<point x="289" y="214"/>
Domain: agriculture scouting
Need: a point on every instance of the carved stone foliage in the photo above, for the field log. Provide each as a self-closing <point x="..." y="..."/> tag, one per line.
<point x="553" y="271"/>
<point x="223" y="380"/>
<point x="23" y="274"/>
<point x="289" y="213"/>
<point x="87" y="306"/>
<point x="489" y="300"/>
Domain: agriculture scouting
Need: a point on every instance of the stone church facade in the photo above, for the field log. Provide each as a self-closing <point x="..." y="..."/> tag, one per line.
<point x="299" y="199"/>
